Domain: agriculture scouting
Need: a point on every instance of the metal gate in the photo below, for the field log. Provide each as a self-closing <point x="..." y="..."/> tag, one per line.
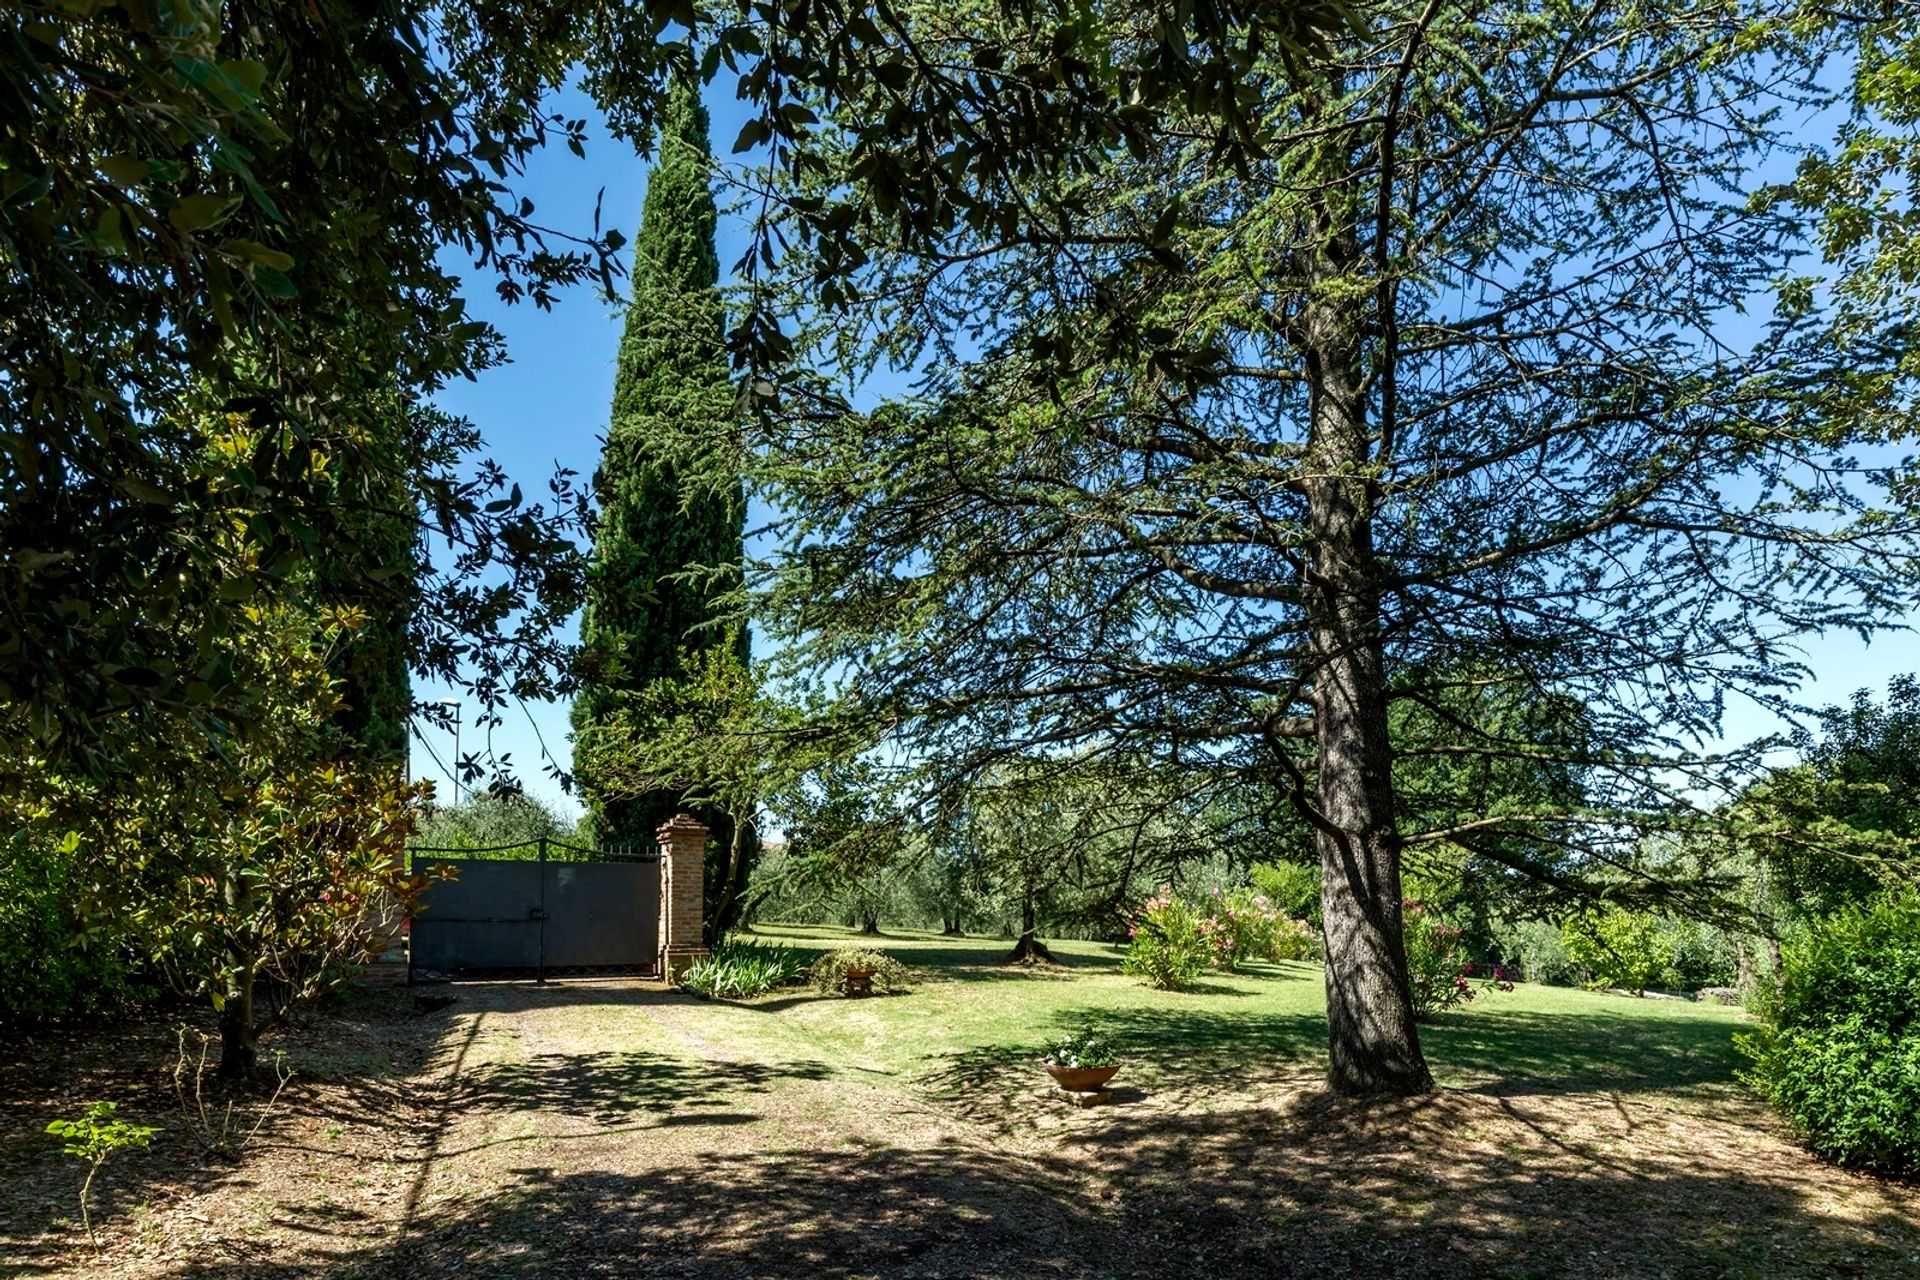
<point x="535" y="909"/>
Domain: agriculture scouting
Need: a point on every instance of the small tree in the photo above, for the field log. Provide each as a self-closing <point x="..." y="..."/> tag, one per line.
<point x="94" y="1137"/>
<point x="845" y="839"/>
<point x="1618" y="947"/>
<point x="254" y="871"/>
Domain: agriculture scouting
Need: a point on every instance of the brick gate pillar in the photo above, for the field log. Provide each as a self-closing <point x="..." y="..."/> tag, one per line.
<point x="683" y="870"/>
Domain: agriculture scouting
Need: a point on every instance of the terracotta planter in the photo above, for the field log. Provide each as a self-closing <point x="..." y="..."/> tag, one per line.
<point x="1081" y="1079"/>
<point x="860" y="981"/>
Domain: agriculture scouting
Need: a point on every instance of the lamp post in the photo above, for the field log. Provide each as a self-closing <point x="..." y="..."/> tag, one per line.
<point x="454" y="703"/>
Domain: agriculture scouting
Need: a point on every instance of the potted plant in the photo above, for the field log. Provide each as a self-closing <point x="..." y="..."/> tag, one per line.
<point x="1081" y="1062"/>
<point x="854" y="971"/>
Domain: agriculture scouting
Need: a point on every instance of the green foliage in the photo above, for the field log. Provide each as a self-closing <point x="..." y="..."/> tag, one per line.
<point x="1293" y="888"/>
<point x="93" y="1137"/>
<point x="1538" y="947"/>
<point x="1838" y="1051"/>
<point x="99" y="1132"/>
<point x="667" y="552"/>
<point x="711" y="741"/>
<point x="844" y="841"/>
<point x="1542" y="564"/>
<point x="667" y="547"/>
<point x="57" y="956"/>
<point x="490" y="819"/>
<point x="1618" y="947"/>
<point x="1168" y="949"/>
<point x="258" y="875"/>
<point x="743" y="967"/>
<point x="1083" y="1048"/>
<point x="242" y="208"/>
<point x="828" y="974"/>
<point x="1843" y="825"/>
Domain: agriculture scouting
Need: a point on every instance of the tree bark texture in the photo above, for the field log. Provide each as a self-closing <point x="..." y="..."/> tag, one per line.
<point x="1373" y="1043"/>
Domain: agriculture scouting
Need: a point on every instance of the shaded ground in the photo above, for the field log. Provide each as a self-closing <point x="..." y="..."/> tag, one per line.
<point x="615" y="1129"/>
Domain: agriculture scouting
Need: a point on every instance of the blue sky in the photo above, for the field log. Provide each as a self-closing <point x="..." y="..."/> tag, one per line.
<point x="548" y="409"/>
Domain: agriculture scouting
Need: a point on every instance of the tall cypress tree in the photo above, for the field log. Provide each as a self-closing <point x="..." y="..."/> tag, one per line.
<point x="377" y="568"/>
<point x="668" y="545"/>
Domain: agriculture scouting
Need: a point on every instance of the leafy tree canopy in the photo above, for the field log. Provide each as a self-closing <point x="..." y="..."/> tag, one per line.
<point x="1219" y="459"/>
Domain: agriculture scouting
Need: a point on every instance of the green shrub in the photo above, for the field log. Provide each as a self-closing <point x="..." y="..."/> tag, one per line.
<point x="1168" y="949"/>
<point x="1698" y="955"/>
<point x="54" y="959"/>
<point x="1292" y="887"/>
<point x="1541" y="951"/>
<point x="1618" y="948"/>
<point x="1838" y="1049"/>
<point x="743" y="967"/>
<point x="829" y="972"/>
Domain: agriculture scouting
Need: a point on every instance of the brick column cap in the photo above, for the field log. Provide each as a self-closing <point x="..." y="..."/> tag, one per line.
<point x="682" y="824"/>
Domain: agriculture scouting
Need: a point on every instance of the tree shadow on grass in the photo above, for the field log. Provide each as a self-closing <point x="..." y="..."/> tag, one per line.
<point x="1455" y="1185"/>
<point x="1522" y="1051"/>
<point x="1166" y="1054"/>
<point x="610" y="1086"/>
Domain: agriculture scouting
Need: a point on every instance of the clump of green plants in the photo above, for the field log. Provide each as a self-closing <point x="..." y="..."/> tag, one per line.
<point x="1838" y="1049"/>
<point x="1292" y="887"/>
<point x="741" y="967"/>
<point x="1168" y="948"/>
<point x="829" y="972"/>
<point x="94" y="1137"/>
<point x="1619" y="949"/>
<point x="1080" y="1049"/>
<point x="1439" y="971"/>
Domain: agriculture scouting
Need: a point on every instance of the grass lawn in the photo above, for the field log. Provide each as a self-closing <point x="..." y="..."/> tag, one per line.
<point x="978" y="1013"/>
<point x="614" y="1128"/>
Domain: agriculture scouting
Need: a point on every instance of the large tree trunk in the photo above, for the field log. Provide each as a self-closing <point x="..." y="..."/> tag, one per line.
<point x="1373" y="1045"/>
<point x="1029" y="949"/>
<point x="950" y="927"/>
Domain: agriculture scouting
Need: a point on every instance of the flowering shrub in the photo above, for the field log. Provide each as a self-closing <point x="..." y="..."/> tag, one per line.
<point x="1441" y="974"/>
<point x="1082" y="1048"/>
<point x="1245" y="925"/>
<point x="1292" y="940"/>
<point x="1168" y="949"/>
<point x="1236" y="929"/>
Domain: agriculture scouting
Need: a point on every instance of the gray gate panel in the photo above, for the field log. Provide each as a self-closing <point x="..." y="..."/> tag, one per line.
<point x="486" y="918"/>
<point x="602" y="913"/>
<point x="532" y="915"/>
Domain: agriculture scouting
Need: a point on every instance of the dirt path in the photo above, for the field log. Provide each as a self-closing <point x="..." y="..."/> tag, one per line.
<point x="612" y="1128"/>
<point x="633" y="1128"/>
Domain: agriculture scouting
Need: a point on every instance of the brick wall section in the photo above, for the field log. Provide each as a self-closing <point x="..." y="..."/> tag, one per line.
<point x="683" y="860"/>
